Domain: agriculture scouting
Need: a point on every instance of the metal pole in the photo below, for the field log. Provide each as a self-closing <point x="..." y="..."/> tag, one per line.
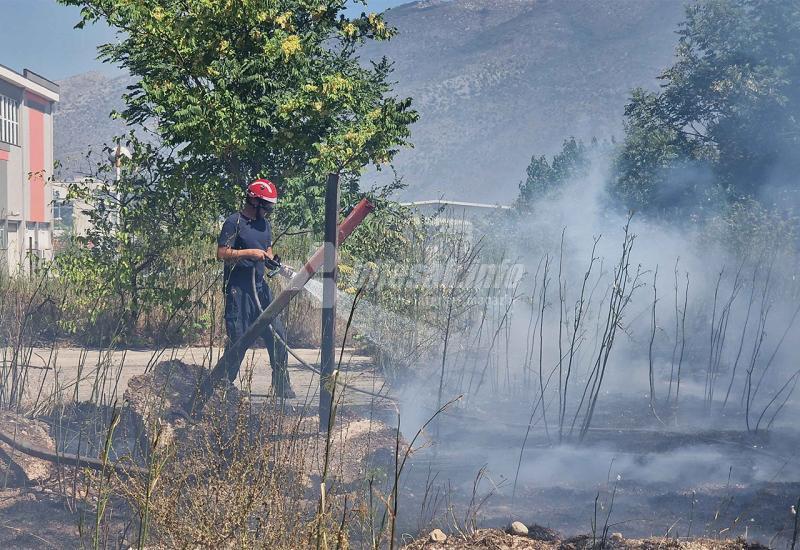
<point x="327" y="351"/>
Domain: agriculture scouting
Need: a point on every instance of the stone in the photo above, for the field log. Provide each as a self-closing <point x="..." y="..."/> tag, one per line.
<point x="616" y="537"/>
<point x="518" y="528"/>
<point x="437" y="535"/>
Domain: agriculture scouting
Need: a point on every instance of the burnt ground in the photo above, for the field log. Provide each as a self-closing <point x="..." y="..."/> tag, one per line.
<point x="495" y="539"/>
<point x="45" y="504"/>
<point x="21" y="520"/>
<point x="49" y="516"/>
<point x="633" y="477"/>
<point x="631" y="474"/>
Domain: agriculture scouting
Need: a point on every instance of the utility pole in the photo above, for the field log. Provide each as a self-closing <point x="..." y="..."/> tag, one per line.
<point x="329" y="271"/>
<point x="115" y="157"/>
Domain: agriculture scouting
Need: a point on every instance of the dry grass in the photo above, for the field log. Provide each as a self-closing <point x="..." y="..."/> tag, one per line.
<point x="249" y="475"/>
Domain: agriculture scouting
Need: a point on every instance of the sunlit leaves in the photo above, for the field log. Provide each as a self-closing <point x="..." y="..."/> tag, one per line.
<point x="250" y="88"/>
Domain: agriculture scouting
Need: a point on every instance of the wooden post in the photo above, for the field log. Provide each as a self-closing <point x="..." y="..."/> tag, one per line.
<point x="329" y="270"/>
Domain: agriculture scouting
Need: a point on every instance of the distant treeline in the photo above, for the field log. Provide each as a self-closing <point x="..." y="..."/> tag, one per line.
<point x="723" y="129"/>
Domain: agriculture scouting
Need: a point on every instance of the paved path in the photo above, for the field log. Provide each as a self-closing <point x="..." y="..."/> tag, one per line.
<point x="106" y="374"/>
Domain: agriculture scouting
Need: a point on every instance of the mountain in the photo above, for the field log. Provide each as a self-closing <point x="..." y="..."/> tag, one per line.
<point x="495" y="81"/>
<point x="82" y="120"/>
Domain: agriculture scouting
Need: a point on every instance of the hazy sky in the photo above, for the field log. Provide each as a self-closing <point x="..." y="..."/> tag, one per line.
<point x="39" y="35"/>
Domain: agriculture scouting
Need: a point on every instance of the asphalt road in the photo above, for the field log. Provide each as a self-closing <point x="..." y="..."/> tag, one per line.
<point x="103" y="375"/>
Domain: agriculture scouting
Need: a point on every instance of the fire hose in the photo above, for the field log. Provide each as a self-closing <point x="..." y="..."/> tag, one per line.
<point x="297" y="282"/>
<point x="68" y="459"/>
<point x="276" y="267"/>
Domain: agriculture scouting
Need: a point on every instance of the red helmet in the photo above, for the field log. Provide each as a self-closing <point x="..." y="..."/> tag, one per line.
<point x="263" y="189"/>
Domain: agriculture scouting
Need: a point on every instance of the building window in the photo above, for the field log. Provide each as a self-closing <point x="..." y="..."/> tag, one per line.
<point x="9" y="120"/>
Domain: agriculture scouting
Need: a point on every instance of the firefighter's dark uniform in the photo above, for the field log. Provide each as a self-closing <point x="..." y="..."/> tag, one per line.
<point x="241" y="309"/>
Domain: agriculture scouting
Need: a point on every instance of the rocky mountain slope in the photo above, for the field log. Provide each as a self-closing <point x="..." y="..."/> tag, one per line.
<point x="82" y="121"/>
<point x="495" y="81"/>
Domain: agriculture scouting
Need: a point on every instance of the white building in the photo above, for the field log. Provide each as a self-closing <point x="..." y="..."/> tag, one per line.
<point x="69" y="216"/>
<point x="27" y="103"/>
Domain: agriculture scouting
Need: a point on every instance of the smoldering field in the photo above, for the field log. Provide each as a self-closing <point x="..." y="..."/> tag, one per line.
<point x="639" y="376"/>
<point x="595" y="373"/>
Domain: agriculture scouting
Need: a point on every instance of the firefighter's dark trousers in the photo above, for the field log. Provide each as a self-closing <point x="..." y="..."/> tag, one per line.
<point x="241" y="311"/>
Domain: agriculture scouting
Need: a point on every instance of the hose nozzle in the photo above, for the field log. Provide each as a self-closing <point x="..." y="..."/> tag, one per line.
<point x="273" y="265"/>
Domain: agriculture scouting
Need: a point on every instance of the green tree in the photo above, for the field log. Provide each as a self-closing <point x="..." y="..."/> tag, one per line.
<point x="545" y="177"/>
<point x="657" y="167"/>
<point x="144" y="228"/>
<point x="249" y="88"/>
<point x="226" y="91"/>
<point x="729" y="104"/>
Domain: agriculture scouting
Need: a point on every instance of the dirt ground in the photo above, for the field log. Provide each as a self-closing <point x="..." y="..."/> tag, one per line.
<point x="22" y="527"/>
<point x="48" y="513"/>
<point x="22" y="523"/>
<point x="45" y="506"/>
<point x="708" y="481"/>
<point x="53" y="511"/>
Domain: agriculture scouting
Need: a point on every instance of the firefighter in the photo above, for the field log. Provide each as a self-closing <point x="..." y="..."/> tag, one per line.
<point x="245" y="244"/>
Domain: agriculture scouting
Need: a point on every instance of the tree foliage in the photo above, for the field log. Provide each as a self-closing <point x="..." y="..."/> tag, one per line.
<point x="545" y="177"/>
<point x="249" y="88"/>
<point x="142" y="227"/>
<point x="224" y="91"/>
<point x="726" y="122"/>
